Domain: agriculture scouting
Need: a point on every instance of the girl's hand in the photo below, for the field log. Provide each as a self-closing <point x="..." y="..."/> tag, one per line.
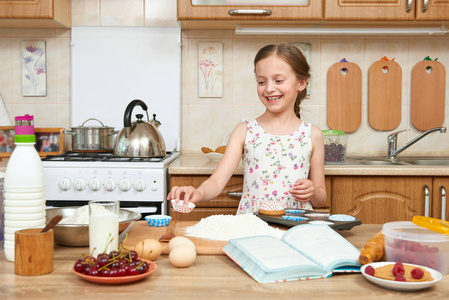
<point x="303" y="190"/>
<point x="186" y="193"/>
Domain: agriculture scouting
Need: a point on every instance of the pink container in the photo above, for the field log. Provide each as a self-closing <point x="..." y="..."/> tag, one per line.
<point x="24" y="125"/>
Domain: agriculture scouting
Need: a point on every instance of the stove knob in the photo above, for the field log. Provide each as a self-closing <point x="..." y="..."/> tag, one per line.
<point x="139" y="185"/>
<point x="79" y="184"/>
<point x="65" y="184"/>
<point x="94" y="184"/>
<point x="109" y="185"/>
<point x="124" y="185"/>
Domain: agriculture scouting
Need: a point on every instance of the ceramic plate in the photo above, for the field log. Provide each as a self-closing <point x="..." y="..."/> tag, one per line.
<point x="400" y="285"/>
<point x="117" y="280"/>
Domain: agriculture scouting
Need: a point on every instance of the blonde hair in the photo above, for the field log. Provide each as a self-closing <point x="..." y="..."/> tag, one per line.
<point x="295" y="59"/>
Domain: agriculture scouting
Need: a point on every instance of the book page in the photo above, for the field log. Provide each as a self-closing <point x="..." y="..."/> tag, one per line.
<point x="322" y="245"/>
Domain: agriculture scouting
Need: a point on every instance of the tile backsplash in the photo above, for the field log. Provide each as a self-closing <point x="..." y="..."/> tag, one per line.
<point x="206" y="121"/>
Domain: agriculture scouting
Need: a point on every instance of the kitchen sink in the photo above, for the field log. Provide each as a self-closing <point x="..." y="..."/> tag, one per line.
<point x="401" y="161"/>
<point x="429" y="162"/>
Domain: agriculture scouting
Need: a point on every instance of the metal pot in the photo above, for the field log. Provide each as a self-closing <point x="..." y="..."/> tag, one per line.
<point x="92" y="138"/>
<point x="139" y="139"/>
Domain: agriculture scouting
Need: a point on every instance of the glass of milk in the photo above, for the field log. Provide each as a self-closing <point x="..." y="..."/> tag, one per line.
<point x="103" y="226"/>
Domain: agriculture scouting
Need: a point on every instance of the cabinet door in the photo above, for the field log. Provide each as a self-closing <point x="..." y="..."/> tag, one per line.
<point x="368" y="10"/>
<point x="243" y="13"/>
<point x="36" y="13"/>
<point x="226" y="203"/>
<point x="378" y="199"/>
<point x="432" y="10"/>
<point x="439" y="206"/>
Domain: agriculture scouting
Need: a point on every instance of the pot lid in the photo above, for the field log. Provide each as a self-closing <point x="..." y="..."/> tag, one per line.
<point x="102" y="125"/>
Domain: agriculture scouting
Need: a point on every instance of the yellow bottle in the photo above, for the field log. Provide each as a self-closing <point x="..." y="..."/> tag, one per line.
<point x="373" y="250"/>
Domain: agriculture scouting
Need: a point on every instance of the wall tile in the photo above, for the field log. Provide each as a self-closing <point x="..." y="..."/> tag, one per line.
<point x="45" y="115"/>
<point x="6" y="81"/>
<point x="161" y="13"/>
<point x="122" y="13"/>
<point x="63" y="76"/>
<point x="86" y="13"/>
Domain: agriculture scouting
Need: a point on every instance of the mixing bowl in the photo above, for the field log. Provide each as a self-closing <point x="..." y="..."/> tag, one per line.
<point x="78" y="235"/>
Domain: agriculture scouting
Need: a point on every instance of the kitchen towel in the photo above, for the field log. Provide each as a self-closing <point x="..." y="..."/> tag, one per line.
<point x="4" y="117"/>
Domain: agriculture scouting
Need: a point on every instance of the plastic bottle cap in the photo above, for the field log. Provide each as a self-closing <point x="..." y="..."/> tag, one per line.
<point x="433" y="224"/>
<point x="25" y="139"/>
<point x="333" y="132"/>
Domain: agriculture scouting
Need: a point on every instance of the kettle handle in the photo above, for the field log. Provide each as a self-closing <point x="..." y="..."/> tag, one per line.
<point x="129" y="110"/>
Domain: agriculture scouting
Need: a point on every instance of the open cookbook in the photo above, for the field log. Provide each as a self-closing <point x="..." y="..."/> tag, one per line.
<point x="304" y="252"/>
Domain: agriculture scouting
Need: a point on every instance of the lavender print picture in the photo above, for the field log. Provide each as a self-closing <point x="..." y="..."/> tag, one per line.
<point x="210" y="73"/>
<point x="34" y="70"/>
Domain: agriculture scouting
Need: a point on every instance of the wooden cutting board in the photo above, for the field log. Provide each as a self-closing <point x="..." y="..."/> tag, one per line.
<point x="428" y="95"/>
<point x="344" y="97"/>
<point x="384" y="95"/>
<point x="142" y="230"/>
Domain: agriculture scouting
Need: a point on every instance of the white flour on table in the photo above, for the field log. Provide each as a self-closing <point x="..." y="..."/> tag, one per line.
<point x="226" y="227"/>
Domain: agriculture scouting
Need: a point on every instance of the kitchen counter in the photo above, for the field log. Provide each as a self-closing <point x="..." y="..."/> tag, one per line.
<point x="210" y="277"/>
<point x="198" y="164"/>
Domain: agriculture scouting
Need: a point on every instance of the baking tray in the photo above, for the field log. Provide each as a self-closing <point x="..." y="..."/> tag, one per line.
<point x="339" y="221"/>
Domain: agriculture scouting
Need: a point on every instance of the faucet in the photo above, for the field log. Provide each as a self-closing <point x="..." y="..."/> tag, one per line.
<point x="393" y="138"/>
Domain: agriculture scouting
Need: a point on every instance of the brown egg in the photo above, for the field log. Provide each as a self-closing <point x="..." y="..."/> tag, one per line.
<point x="148" y="249"/>
<point x="182" y="256"/>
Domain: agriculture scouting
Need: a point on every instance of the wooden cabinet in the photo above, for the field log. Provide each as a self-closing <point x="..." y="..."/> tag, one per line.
<point x="394" y="10"/>
<point x="228" y="16"/>
<point x="381" y="199"/>
<point x="35" y="14"/>
<point x="226" y="203"/>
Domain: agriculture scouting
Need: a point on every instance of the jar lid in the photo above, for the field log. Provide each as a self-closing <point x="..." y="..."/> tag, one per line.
<point x="333" y="132"/>
<point x="433" y="224"/>
<point x="409" y="231"/>
<point x="26" y="117"/>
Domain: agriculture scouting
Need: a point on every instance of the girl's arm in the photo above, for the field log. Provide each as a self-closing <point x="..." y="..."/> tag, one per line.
<point x="215" y="184"/>
<point x="313" y="189"/>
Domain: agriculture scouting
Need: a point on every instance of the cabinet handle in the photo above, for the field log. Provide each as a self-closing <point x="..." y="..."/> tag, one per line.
<point x="425" y="6"/>
<point x="265" y="12"/>
<point x="409" y="6"/>
<point x="426" y="200"/>
<point x="234" y="194"/>
<point x="443" y="203"/>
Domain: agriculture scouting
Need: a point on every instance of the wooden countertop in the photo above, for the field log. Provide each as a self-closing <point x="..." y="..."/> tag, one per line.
<point x="198" y="164"/>
<point x="210" y="277"/>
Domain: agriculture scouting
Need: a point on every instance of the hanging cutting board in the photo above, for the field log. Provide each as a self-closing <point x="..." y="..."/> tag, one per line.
<point x="384" y="95"/>
<point x="344" y="96"/>
<point x="428" y="94"/>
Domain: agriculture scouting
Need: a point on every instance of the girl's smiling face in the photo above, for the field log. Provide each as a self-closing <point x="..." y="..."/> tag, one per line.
<point x="277" y="84"/>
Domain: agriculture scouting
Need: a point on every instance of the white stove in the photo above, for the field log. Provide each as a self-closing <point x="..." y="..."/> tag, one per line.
<point x="140" y="184"/>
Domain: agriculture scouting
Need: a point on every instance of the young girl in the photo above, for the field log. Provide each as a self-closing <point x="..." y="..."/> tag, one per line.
<point x="283" y="156"/>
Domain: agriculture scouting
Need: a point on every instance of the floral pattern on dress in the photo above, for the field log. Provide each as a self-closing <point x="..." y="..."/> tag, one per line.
<point x="272" y="164"/>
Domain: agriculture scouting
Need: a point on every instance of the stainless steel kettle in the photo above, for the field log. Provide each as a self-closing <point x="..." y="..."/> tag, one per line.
<point x="139" y="139"/>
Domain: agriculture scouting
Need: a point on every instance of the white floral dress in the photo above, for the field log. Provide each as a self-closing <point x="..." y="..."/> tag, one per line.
<point x="272" y="164"/>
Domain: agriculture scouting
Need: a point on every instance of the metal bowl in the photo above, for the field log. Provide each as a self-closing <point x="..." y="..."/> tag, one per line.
<point x="78" y="235"/>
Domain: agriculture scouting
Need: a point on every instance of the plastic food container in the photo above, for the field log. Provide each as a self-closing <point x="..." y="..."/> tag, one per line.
<point x="335" y="144"/>
<point x="409" y="243"/>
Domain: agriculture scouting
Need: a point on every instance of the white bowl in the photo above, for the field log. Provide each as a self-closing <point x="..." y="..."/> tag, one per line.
<point x="214" y="156"/>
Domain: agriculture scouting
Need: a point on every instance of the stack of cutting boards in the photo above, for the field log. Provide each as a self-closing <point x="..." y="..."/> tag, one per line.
<point x="344" y="95"/>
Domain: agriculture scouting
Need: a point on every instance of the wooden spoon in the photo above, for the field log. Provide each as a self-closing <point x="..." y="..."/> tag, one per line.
<point x="221" y="149"/>
<point x="206" y="150"/>
<point x="52" y="223"/>
<point x="168" y="235"/>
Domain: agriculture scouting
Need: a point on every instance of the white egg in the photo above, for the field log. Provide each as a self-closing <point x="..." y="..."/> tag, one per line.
<point x="177" y="241"/>
<point x="148" y="249"/>
<point x="182" y="256"/>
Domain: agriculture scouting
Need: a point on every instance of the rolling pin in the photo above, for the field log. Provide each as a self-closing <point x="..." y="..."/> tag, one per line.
<point x="374" y="249"/>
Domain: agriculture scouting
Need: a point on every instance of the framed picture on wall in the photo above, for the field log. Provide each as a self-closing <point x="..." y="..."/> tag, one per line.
<point x="49" y="141"/>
